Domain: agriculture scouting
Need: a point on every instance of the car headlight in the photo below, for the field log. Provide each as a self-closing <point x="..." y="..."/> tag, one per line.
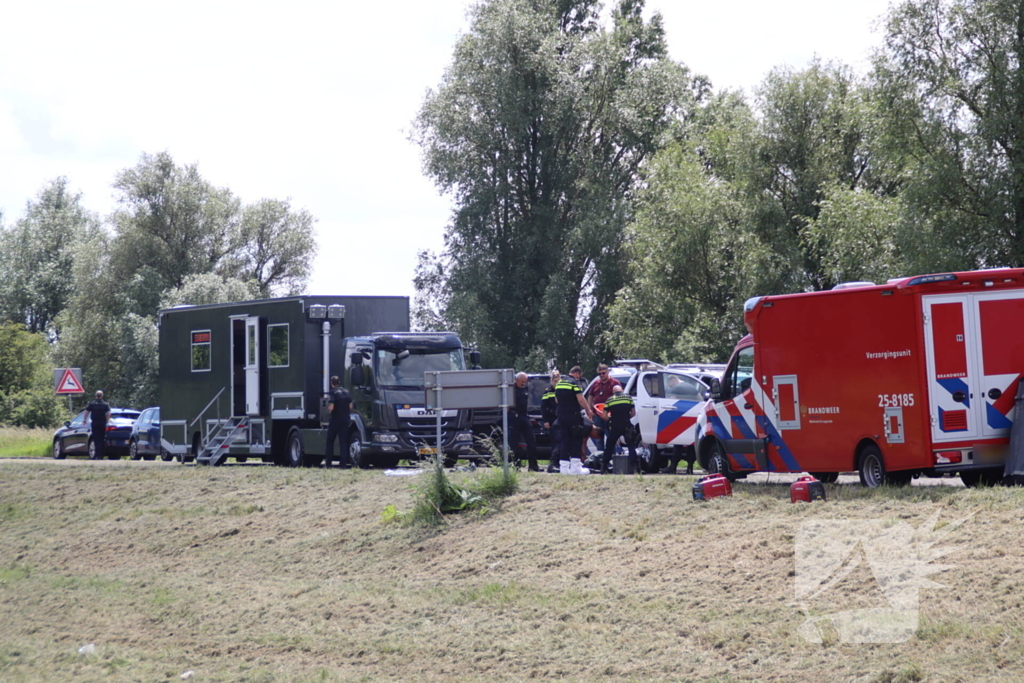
<point x="385" y="438"/>
<point x="464" y="436"/>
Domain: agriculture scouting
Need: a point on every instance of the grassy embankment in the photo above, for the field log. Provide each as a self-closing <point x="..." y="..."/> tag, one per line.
<point x="20" y="442"/>
<point x="262" y="574"/>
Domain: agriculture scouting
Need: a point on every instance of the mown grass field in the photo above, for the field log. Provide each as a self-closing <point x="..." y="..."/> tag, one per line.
<point x="20" y="442"/>
<point x="261" y="574"/>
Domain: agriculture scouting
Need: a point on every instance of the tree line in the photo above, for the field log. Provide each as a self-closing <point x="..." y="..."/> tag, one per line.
<point x="77" y="290"/>
<point x="610" y="202"/>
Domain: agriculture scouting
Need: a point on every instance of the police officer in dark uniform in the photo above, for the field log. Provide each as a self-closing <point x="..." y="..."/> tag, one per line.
<point x="620" y="414"/>
<point x="549" y="415"/>
<point x="570" y="401"/>
<point x="340" y="407"/>
<point x="99" y="413"/>
<point x="519" y="426"/>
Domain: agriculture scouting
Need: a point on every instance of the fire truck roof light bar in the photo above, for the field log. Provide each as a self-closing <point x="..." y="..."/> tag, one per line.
<point x="926" y="279"/>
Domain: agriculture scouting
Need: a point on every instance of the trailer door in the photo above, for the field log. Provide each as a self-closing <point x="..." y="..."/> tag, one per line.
<point x="252" y="366"/>
<point x="950" y="352"/>
<point x="1000" y="316"/>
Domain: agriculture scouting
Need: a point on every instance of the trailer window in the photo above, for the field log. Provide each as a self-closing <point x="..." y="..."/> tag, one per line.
<point x="277" y="343"/>
<point x="200" y="350"/>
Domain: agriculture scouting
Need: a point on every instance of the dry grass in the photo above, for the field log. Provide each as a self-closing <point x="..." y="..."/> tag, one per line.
<point x="251" y="573"/>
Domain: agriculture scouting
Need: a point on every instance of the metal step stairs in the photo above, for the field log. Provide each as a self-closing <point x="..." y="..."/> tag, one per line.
<point x="217" y="444"/>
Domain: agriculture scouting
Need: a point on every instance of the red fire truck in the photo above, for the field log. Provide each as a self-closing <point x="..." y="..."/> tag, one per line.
<point x="916" y="376"/>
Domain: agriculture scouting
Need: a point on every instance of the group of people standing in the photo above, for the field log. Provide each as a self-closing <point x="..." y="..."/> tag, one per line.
<point x="563" y="407"/>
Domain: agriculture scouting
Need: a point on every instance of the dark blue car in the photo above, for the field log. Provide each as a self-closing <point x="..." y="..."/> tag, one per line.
<point x="144" y="442"/>
<point x="75" y="437"/>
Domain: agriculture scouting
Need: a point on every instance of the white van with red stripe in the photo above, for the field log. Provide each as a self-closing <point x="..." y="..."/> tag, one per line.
<point x="916" y="376"/>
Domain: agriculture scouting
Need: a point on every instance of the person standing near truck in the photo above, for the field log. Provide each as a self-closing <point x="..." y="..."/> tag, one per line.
<point x="601" y="393"/>
<point x="340" y="407"/>
<point x="549" y="415"/>
<point x="99" y="413"/>
<point x="520" y="428"/>
<point x="620" y="412"/>
<point x="570" y="401"/>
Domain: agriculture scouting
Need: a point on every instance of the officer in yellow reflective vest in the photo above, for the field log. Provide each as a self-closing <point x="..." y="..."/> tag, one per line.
<point x="620" y="412"/>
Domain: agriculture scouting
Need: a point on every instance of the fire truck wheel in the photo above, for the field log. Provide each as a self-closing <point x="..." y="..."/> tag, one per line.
<point x="872" y="467"/>
<point x="717" y="462"/>
<point x="825" y="477"/>
<point x="296" y="449"/>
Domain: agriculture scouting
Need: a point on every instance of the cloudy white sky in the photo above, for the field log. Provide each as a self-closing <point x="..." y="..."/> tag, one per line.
<point x="311" y="100"/>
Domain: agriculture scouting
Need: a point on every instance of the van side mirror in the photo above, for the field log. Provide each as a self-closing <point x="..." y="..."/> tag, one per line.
<point x="357" y="375"/>
<point x="715" y="389"/>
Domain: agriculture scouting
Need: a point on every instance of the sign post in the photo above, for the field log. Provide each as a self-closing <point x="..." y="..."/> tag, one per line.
<point x="68" y="382"/>
<point x="461" y="389"/>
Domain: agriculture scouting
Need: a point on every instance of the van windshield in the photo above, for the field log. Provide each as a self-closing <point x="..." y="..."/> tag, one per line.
<point x="409" y="370"/>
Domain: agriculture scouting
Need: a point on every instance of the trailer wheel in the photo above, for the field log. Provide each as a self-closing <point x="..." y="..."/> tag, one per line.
<point x="296" y="453"/>
<point x="825" y="477"/>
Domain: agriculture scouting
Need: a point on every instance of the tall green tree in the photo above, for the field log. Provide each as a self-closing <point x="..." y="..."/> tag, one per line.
<point x="813" y="136"/>
<point x="539" y="129"/>
<point x="171" y="222"/>
<point x="36" y="267"/>
<point x="26" y="384"/>
<point x="275" y="248"/>
<point x="952" y="84"/>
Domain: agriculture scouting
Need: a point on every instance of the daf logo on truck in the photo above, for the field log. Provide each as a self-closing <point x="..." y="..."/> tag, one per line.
<point x="943" y="405"/>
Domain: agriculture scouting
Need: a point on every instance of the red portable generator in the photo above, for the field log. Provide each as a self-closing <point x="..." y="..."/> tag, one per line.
<point x="806" y="489"/>
<point x="711" y="486"/>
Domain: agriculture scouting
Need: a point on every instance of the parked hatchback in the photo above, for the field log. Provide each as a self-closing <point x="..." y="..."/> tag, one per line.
<point x="75" y="437"/>
<point x="144" y="442"/>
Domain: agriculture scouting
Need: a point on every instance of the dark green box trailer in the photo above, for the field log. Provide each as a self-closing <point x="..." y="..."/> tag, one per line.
<point x="250" y="379"/>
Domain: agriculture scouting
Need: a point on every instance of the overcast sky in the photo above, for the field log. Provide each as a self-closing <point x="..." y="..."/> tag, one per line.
<point x="311" y="101"/>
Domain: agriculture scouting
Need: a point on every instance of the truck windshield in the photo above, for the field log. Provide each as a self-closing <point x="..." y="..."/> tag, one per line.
<point x="409" y="371"/>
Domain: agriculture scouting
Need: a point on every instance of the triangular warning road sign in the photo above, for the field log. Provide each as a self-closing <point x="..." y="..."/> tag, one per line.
<point x="69" y="384"/>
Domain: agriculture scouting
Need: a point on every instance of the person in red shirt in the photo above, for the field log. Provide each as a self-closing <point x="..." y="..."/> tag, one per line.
<point x="601" y="392"/>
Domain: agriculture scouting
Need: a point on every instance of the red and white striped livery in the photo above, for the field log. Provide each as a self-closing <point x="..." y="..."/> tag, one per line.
<point x="916" y="376"/>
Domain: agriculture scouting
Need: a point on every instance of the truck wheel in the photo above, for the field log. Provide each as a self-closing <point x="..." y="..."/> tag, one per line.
<point x="91" y="448"/>
<point x="296" y="449"/>
<point x="355" y="452"/>
<point x="58" y="450"/>
<point x="133" y="450"/>
<point x="872" y="467"/>
<point x="825" y="477"/>
<point x="649" y="457"/>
